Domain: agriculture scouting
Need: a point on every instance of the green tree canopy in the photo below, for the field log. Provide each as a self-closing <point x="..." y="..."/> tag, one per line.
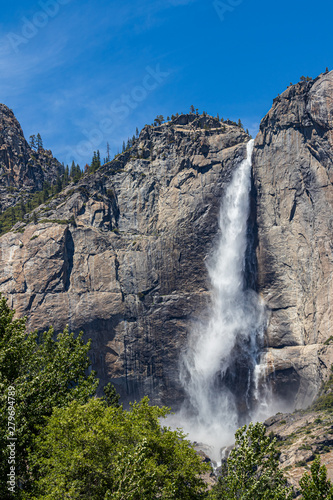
<point x="99" y="452"/>
<point x="32" y="141"/>
<point x="158" y="120"/>
<point x="95" y="162"/>
<point x="316" y="486"/>
<point x="252" y="468"/>
<point x="111" y="396"/>
<point x="39" y="142"/>
<point x="75" y="172"/>
<point x="46" y="371"/>
<point x="108" y="157"/>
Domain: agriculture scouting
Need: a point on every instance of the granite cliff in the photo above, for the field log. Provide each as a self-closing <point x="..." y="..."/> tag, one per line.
<point x="23" y="170"/>
<point x="293" y="176"/>
<point x="121" y="254"/>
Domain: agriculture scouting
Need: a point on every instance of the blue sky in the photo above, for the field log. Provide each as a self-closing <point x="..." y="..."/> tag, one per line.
<point x="85" y="73"/>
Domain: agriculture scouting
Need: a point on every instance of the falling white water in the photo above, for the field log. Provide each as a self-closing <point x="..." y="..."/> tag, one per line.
<point x="220" y="368"/>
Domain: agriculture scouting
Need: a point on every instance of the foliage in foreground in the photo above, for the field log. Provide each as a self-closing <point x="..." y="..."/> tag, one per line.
<point x="252" y="468"/>
<point x="93" y="451"/>
<point x="71" y="446"/>
<point x="45" y="372"/>
<point x="316" y="486"/>
<point x="111" y="397"/>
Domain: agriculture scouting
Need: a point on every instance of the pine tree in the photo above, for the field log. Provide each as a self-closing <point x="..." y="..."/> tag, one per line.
<point x="107" y="152"/>
<point x="39" y="142"/>
<point x="192" y="109"/>
<point x="78" y="173"/>
<point x="73" y="170"/>
<point x="137" y="132"/>
<point x="58" y="184"/>
<point x="22" y="208"/>
<point x="158" y="120"/>
<point x="66" y="176"/>
<point x="32" y="141"/>
<point x="96" y="162"/>
<point x="46" y="191"/>
<point x="13" y="215"/>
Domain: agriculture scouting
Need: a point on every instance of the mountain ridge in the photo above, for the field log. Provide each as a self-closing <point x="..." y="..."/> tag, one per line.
<point x="121" y="253"/>
<point x="23" y="170"/>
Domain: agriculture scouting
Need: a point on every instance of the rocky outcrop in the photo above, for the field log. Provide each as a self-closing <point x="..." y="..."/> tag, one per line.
<point x="293" y="176"/>
<point x="22" y="170"/>
<point x="121" y="254"/>
<point x="301" y="436"/>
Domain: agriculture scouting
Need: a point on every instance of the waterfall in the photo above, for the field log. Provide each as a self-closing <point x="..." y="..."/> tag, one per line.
<point x="220" y="368"/>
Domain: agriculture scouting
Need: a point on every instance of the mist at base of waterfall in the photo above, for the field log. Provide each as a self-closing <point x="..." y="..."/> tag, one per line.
<point x="217" y="434"/>
<point x="222" y="369"/>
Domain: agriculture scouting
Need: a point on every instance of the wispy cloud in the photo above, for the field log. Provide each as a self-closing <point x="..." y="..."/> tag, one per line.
<point x="65" y="79"/>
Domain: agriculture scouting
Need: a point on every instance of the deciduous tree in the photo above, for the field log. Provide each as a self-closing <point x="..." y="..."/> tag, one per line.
<point x="46" y="371"/>
<point x="97" y="452"/>
<point x="316" y="486"/>
<point x="252" y="468"/>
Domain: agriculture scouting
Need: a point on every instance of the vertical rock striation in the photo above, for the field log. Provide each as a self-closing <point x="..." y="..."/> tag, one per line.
<point x="130" y="269"/>
<point x="293" y="176"/>
<point x="121" y="254"/>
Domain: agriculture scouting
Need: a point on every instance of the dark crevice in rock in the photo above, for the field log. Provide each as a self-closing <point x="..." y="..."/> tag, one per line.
<point x="68" y="259"/>
<point x="31" y="299"/>
<point x="280" y="308"/>
<point x="293" y="210"/>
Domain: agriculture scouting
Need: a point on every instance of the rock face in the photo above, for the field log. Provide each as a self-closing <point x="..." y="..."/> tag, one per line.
<point x="301" y="436"/>
<point x="129" y="267"/>
<point x="22" y="170"/>
<point x="121" y="254"/>
<point x="293" y="176"/>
